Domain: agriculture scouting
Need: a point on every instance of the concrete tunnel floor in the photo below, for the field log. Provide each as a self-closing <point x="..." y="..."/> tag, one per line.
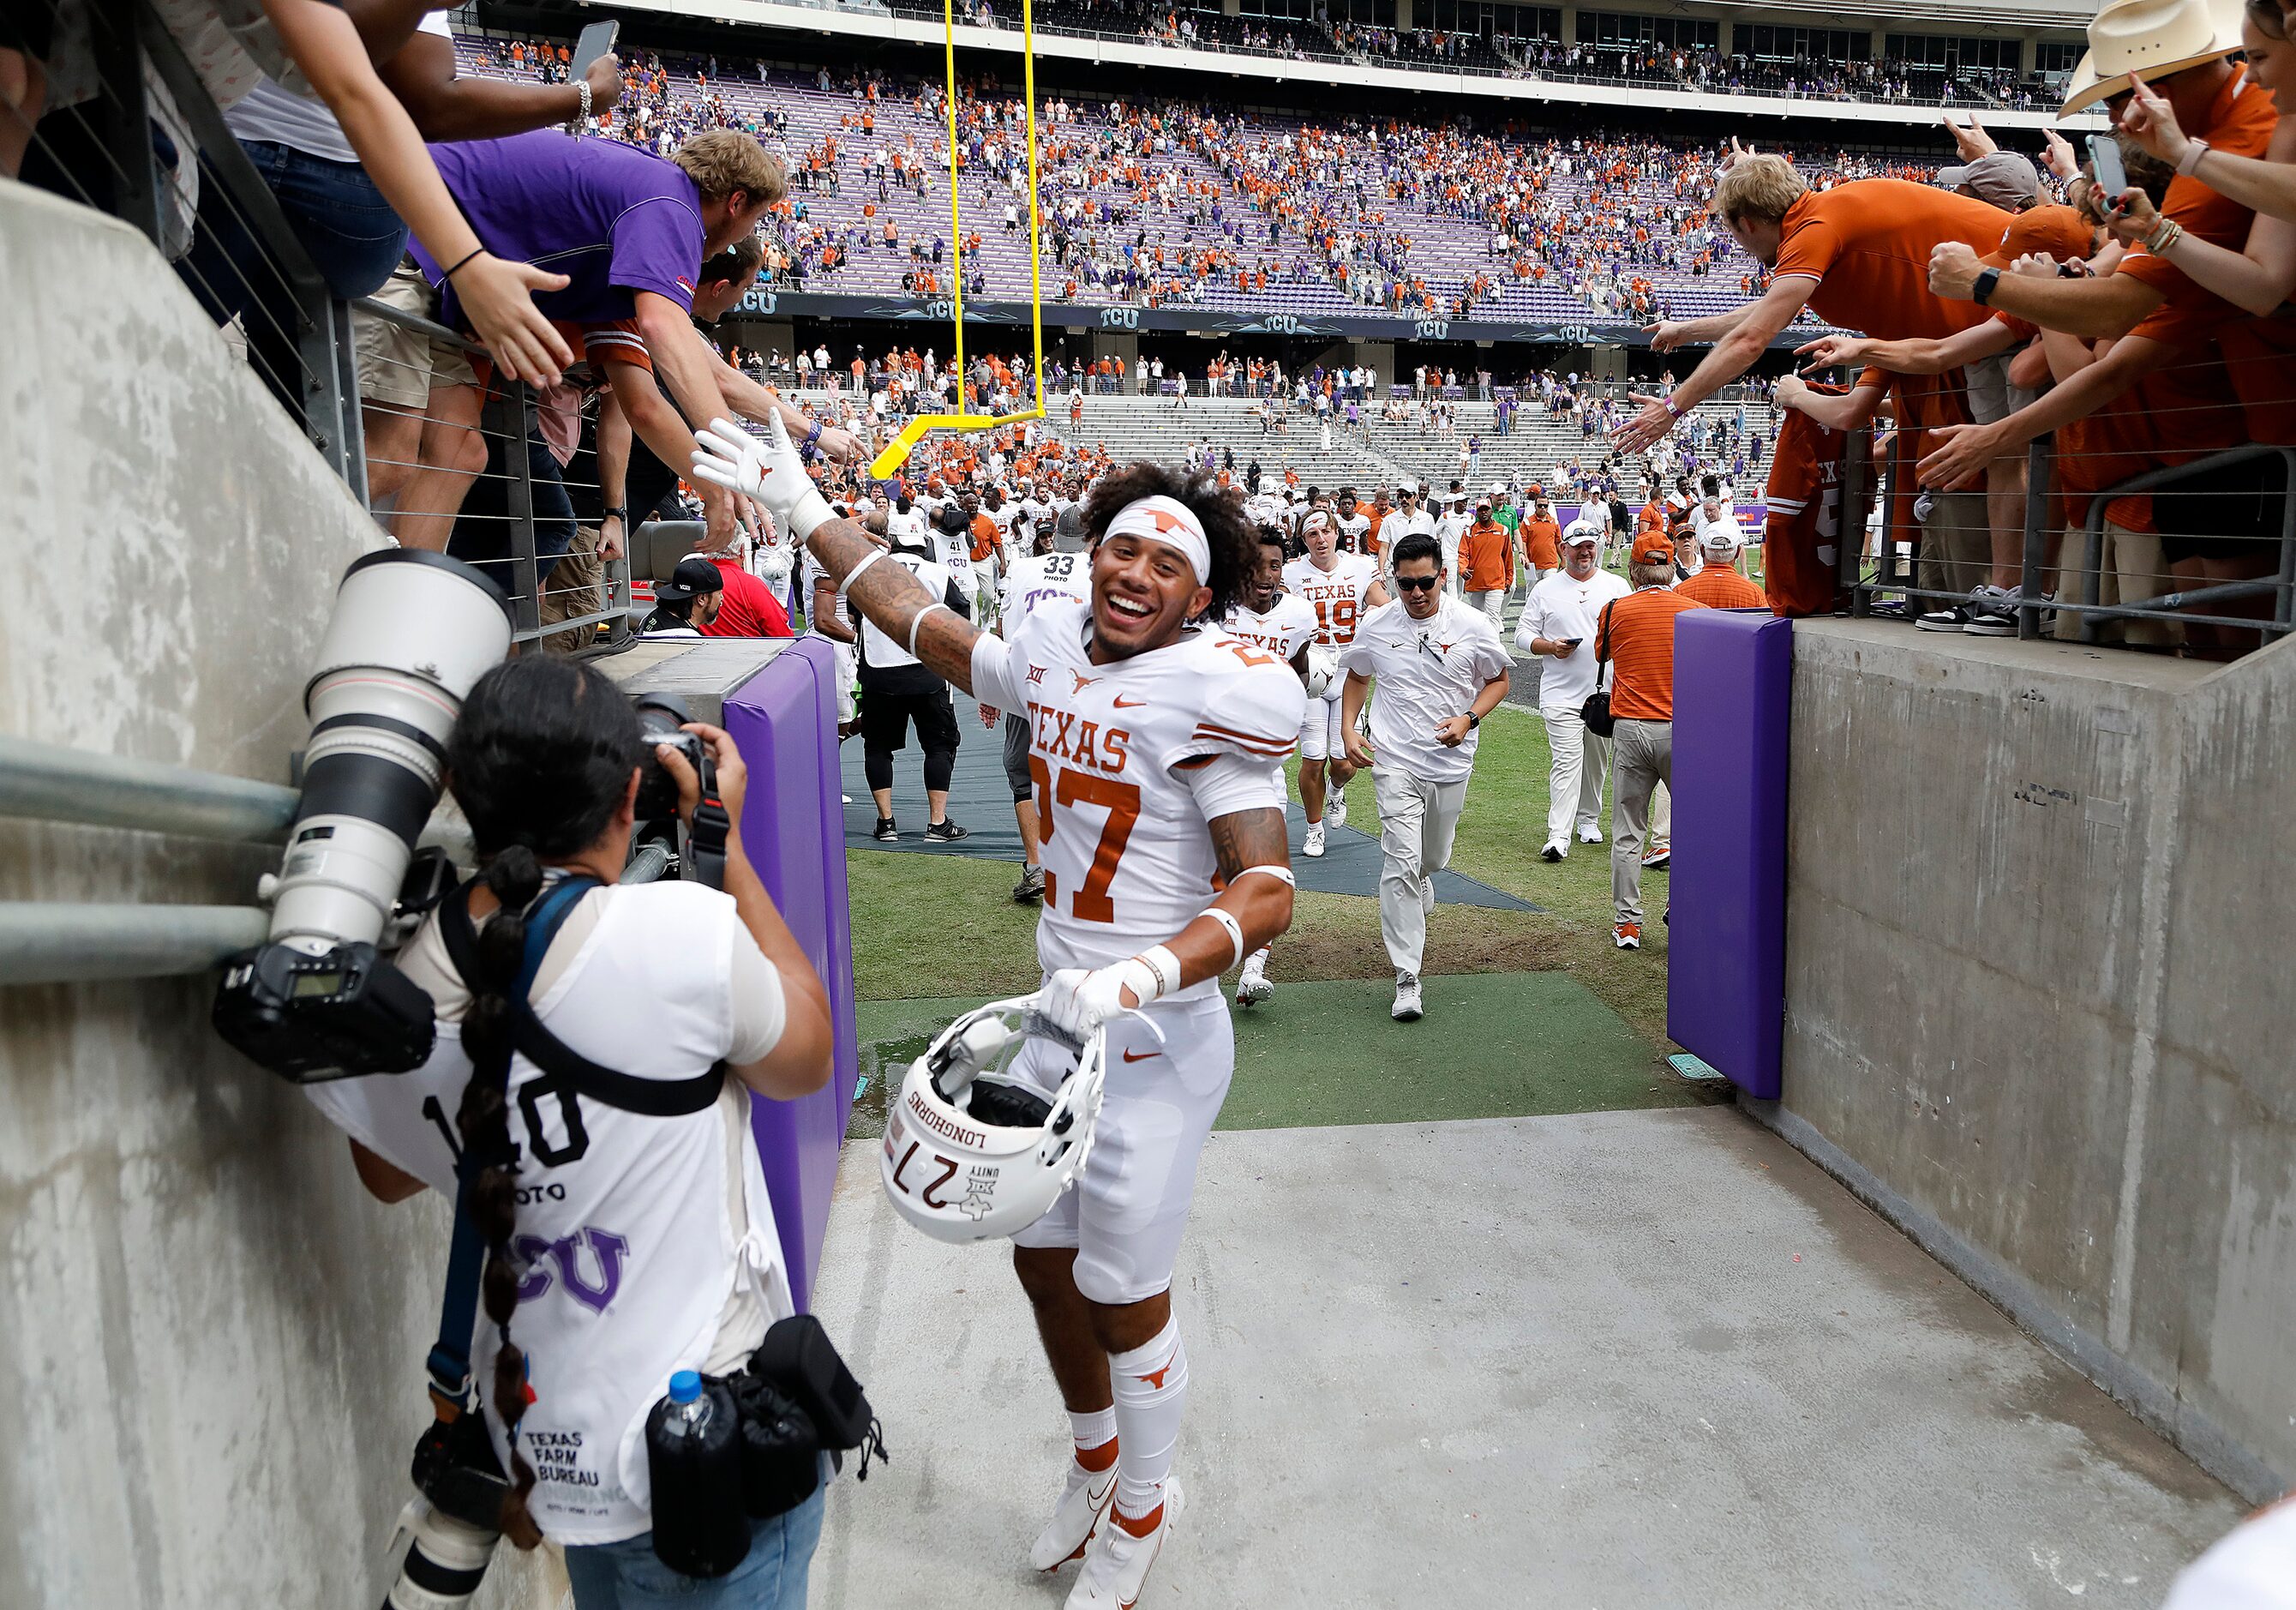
<point x="1617" y="1358"/>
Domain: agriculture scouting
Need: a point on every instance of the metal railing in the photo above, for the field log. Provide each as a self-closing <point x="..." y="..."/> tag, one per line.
<point x="1880" y="577"/>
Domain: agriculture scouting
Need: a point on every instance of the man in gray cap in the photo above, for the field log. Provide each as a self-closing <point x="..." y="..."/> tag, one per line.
<point x="2001" y="178"/>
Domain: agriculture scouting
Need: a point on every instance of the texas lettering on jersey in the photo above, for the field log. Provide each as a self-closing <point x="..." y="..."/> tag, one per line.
<point x="1283" y="631"/>
<point x="1338" y="595"/>
<point x="1128" y="855"/>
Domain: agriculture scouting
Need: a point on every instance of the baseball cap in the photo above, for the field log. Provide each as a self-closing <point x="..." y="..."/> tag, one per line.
<point x="1579" y="531"/>
<point x="1722" y="535"/>
<point x="2001" y="178"/>
<point x="693" y="577"/>
<point x="1653" y="547"/>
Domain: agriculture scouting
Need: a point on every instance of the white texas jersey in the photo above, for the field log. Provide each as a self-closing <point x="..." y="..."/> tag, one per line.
<point x="906" y="531"/>
<point x="1353" y="529"/>
<point x="1338" y="596"/>
<point x="1283" y="631"/>
<point x="1127" y="852"/>
<point x="1039" y="577"/>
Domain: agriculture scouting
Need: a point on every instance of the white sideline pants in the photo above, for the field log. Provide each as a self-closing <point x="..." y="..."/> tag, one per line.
<point x="1577" y="762"/>
<point x="1417" y="820"/>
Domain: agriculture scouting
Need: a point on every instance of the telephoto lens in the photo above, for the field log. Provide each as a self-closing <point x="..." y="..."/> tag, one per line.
<point x="446" y="1561"/>
<point x="411" y="633"/>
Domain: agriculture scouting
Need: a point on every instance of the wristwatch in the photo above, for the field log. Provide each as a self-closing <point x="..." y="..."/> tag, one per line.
<point x="621" y="515"/>
<point x="1981" y="292"/>
<point x="1474" y="720"/>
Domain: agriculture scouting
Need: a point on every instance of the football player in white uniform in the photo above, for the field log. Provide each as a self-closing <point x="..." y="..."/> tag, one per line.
<point x="1354" y="525"/>
<point x="1153" y="745"/>
<point x="1281" y="624"/>
<point x="1341" y="588"/>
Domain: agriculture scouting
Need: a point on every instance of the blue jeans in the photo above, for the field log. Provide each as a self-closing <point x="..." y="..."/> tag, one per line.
<point x="336" y="214"/>
<point x="627" y="1576"/>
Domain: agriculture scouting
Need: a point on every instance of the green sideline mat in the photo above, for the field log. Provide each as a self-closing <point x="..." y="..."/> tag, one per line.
<point x="1493" y="1044"/>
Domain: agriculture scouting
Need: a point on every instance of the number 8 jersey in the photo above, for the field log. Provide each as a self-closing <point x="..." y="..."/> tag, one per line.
<point x="1131" y="761"/>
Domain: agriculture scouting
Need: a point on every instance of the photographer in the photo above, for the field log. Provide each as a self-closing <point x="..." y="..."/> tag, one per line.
<point x="620" y="1245"/>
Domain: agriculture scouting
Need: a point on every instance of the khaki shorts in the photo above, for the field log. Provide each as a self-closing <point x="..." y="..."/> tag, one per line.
<point x="398" y="367"/>
<point x="1991" y="396"/>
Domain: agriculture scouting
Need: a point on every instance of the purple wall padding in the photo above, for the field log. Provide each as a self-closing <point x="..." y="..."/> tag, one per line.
<point x="1726" y="946"/>
<point x="794" y="828"/>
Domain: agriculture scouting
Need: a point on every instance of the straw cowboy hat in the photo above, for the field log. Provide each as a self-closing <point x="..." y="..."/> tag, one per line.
<point x="2155" y="38"/>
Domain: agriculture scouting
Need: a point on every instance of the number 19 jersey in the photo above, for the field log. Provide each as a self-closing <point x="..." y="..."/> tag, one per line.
<point x="1337" y="596"/>
<point x="1127" y="850"/>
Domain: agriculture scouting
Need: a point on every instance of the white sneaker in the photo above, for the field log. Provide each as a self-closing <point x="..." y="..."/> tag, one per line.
<point x="1407" y="1008"/>
<point x="1084" y="1501"/>
<point x="1555" y="849"/>
<point x="1116" y="1565"/>
<point x="1588" y="834"/>
<point x="1335" y="807"/>
<point x="1427" y="895"/>
<point x="1313" y="845"/>
<point x="1253" y="988"/>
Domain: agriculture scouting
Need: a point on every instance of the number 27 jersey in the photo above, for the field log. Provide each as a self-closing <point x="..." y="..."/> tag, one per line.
<point x="1127" y="850"/>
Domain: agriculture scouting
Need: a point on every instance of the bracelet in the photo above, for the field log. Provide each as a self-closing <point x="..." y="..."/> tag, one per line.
<point x="919" y="621"/>
<point x="579" y="124"/>
<point x="1160" y="961"/>
<point x="1672" y="411"/>
<point x="457" y="268"/>
<point x="2166" y="233"/>
<point x="853" y="575"/>
<point x="2189" y="164"/>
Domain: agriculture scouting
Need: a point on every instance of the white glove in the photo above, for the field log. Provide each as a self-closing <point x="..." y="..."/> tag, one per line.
<point x="768" y="471"/>
<point x="1078" y="1001"/>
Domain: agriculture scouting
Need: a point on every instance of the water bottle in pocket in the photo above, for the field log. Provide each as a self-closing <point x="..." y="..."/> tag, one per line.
<point x="693" y="1457"/>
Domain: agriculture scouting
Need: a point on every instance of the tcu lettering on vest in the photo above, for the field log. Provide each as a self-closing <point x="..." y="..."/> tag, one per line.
<point x="606" y="1249"/>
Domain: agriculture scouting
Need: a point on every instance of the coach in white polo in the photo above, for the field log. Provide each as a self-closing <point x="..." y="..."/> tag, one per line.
<point x="1440" y="669"/>
<point x="1558" y="623"/>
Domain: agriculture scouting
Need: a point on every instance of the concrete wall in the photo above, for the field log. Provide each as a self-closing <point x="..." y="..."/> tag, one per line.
<point x="210" y="1339"/>
<point x="2038" y="1002"/>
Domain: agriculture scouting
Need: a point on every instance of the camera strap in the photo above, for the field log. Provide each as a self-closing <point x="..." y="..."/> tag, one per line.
<point x="564" y="1069"/>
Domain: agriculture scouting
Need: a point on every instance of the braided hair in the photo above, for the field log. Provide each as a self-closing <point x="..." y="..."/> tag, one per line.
<point x="540" y="761"/>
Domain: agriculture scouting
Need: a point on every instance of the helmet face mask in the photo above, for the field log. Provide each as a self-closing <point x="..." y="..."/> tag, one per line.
<point x="961" y="1173"/>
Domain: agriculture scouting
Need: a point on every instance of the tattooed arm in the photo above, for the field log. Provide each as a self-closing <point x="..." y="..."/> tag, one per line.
<point x="1261" y="903"/>
<point x="892" y="599"/>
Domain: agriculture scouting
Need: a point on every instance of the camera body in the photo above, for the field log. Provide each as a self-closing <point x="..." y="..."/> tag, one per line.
<point x="664" y="845"/>
<point x="661" y="716"/>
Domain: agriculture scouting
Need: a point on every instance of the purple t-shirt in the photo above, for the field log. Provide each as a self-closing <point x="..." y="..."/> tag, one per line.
<point x="613" y="219"/>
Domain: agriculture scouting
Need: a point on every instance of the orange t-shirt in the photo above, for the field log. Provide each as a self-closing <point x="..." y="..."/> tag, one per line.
<point x="1486" y="563"/>
<point x="1650" y="517"/>
<point x="984" y="537"/>
<point x="1868" y="244"/>
<point x="1720" y="590"/>
<point x="1542" y="539"/>
<point x="1636" y="635"/>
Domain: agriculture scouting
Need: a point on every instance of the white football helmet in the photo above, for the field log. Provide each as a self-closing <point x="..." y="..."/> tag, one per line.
<point x="1322" y="669"/>
<point x="971" y="1155"/>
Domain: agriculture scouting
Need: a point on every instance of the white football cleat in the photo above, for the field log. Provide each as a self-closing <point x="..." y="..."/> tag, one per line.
<point x="1084" y="1501"/>
<point x="1314" y="844"/>
<point x="1116" y="1565"/>
<point x="1335" y="807"/>
<point x="1253" y="988"/>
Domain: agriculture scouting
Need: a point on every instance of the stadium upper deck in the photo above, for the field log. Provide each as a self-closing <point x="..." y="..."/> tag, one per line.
<point x="1181" y="215"/>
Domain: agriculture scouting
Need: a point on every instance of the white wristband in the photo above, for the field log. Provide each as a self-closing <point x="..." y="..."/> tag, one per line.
<point x="854" y="575"/>
<point x="1158" y="960"/>
<point x="920" y="621"/>
<point x="2189" y="164"/>
<point x="1283" y="873"/>
<point x="1226" y="919"/>
<point x="810" y="515"/>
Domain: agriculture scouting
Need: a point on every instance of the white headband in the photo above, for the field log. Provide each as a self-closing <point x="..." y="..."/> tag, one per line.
<point x="1168" y="520"/>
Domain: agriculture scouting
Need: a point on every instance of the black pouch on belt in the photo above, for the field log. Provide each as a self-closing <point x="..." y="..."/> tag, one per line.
<point x="781" y="1450"/>
<point x="799" y="1360"/>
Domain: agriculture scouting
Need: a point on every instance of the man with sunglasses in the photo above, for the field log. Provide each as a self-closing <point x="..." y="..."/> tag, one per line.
<point x="1440" y="669"/>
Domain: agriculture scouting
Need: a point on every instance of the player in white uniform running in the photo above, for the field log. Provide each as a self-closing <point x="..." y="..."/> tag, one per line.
<point x="1153" y="745"/>
<point x="1341" y="588"/>
<point x="1283" y="625"/>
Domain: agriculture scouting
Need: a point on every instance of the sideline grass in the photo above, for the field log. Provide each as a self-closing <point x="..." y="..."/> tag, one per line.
<point x="948" y="928"/>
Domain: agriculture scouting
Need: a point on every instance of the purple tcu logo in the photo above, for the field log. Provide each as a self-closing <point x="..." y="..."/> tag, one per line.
<point x="565" y="1253"/>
